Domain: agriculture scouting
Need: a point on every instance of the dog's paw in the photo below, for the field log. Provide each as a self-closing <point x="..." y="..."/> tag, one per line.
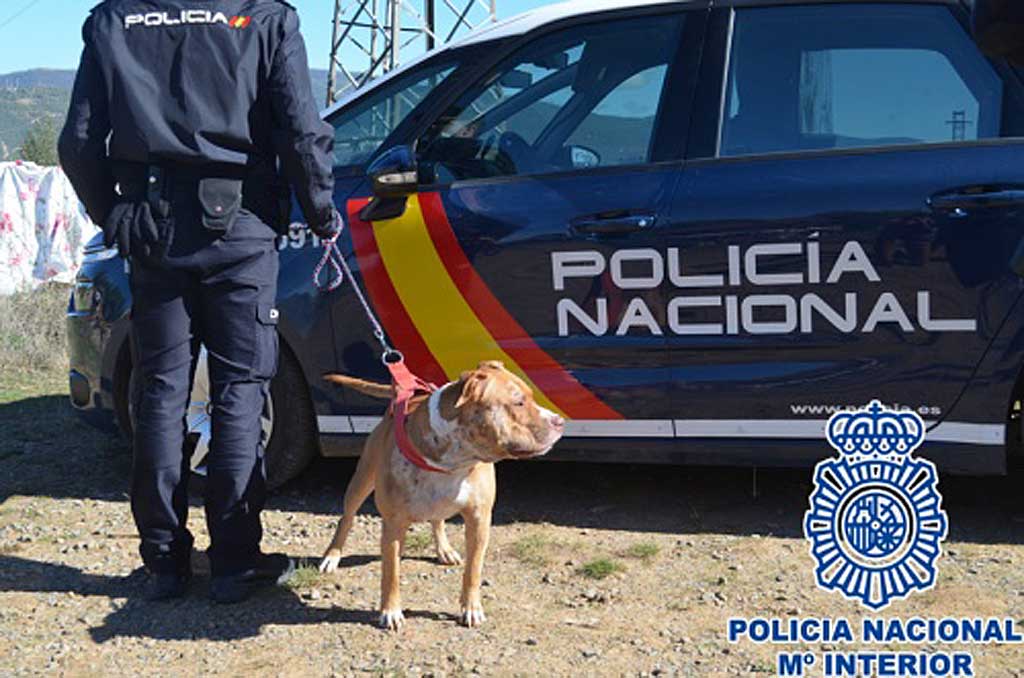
<point x="330" y="562"/>
<point x="392" y="620"/>
<point x="448" y="556"/>
<point x="473" y="616"/>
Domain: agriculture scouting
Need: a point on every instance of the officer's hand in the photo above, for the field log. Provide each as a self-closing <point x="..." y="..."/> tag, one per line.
<point x="118" y="226"/>
<point x="330" y="228"/>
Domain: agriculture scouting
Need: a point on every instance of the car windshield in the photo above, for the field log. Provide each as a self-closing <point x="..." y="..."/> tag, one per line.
<point x="361" y="128"/>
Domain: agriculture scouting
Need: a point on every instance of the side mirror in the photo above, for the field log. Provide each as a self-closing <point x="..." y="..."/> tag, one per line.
<point x="395" y="173"/>
<point x="583" y="157"/>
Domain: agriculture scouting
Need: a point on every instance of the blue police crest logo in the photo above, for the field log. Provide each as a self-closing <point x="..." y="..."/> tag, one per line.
<point x="875" y="523"/>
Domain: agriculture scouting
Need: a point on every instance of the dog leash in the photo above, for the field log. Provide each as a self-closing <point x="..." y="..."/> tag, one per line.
<point x="332" y="256"/>
<point x="406" y="384"/>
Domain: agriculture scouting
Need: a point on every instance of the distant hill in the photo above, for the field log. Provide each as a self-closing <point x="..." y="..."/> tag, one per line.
<point x="26" y="96"/>
<point x="21" y="107"/>
<point x="39" y="77"/>
<point x="65" y="79"/>
<point x="318" y="76"/>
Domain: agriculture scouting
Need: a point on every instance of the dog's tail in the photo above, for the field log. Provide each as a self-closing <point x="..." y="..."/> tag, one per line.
<point x="372" y="389"/>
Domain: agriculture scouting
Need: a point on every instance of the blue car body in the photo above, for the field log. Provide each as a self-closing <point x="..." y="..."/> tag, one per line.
<point x="705" y="305"/>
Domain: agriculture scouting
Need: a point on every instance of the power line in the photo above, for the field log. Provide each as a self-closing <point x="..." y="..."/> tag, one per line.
<point x="17" y="14"/>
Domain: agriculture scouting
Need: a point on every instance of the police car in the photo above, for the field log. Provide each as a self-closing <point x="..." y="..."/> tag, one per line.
<point x="696" y="229"/>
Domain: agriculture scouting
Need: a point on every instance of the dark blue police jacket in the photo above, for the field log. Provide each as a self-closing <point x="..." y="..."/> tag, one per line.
<point x="176" y="83"/>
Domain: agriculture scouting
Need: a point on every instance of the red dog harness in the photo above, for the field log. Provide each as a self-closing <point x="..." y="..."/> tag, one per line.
<point x="406" y="386"/>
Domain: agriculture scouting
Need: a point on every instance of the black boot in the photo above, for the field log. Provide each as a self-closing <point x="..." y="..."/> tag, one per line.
<point x="273" y="569"/>
<point x="167" y="585"/>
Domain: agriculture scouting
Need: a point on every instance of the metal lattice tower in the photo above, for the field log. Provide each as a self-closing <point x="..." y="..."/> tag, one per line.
<point x="959" y="125"/>
<point x="373" y="36"/>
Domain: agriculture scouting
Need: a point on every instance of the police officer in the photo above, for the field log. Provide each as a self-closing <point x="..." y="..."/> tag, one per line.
<point x="183" y="117"/>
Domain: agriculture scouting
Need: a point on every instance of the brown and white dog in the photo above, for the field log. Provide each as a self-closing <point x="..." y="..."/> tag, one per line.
<point x="488" y="415"/>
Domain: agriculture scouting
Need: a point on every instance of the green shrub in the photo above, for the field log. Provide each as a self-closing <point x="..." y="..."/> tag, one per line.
<point x="40" y="145"/>
<point x="33" y="336"/>
<point x="601" y="568"/>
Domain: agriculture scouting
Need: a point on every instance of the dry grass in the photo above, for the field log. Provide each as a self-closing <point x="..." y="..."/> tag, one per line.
<point x="642" y="550"/>
<point x="32" y="330"/>
<point x="533" y="549"/>
<point x="306" y="577"/>
<point x="418" y="541"/>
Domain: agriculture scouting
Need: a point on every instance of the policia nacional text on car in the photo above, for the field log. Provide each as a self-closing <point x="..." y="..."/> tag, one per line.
<point x="182" y="115"/>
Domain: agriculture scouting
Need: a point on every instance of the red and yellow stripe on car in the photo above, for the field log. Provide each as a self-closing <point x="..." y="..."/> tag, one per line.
<point x="441" y="314"/>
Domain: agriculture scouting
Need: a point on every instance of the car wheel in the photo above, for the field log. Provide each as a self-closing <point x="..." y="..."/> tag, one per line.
<point x="294" y="438"/>
<point x="287" y="422"/>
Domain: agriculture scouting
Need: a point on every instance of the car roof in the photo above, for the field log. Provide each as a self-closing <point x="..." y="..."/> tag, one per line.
<point x="541" y="16"/>
<point x="525" y="22"/>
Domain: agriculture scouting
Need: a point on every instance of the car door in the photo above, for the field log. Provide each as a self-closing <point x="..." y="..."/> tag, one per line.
<point x="553" y="160"/>
<point x="845" y="227"/>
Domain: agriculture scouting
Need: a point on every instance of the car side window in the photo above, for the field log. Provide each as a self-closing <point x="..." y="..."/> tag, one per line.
<point x="630" y="109"/>
<point x="360" y="130"/>
<point x="583" y="97"/>
<point x="837" y="76"/>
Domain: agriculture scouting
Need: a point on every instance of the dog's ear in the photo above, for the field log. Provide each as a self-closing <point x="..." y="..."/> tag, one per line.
<point x="476" y="386"/>
<point x="491" y="364"/>
<point x="460" y="386"/>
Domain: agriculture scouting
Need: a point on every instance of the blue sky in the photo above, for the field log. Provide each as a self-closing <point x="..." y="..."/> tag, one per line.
<point x="47" y="34"/>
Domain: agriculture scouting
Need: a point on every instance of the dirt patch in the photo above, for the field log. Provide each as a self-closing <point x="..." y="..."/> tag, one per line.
<point x="594" y="570"/>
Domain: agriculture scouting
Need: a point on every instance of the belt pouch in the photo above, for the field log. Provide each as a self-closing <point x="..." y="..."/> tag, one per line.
<point x="220" y="200"/>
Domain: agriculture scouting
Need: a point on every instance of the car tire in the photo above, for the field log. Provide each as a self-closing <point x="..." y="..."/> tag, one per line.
<point x="293" y="441"/>
<point x="292" y="432"/>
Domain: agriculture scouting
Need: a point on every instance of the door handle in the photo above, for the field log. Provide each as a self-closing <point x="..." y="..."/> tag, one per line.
<point x="613" y="225"/>
<point x="960" y="201"/>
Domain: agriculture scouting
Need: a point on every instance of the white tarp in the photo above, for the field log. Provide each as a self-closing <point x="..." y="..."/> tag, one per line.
<point x="43" y="227"/>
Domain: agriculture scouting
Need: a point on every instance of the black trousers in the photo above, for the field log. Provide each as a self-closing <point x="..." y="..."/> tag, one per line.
<point x="219" y="291"/>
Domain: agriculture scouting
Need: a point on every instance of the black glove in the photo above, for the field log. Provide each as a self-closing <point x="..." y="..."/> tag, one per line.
<point x="131" y="227"/>
<point x="145" y="234"/>
<point x="118" y="226"/>
<point x="330" y="228"/>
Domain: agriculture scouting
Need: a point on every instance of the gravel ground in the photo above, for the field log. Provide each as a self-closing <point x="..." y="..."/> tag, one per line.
<point x="594" y="570"/>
